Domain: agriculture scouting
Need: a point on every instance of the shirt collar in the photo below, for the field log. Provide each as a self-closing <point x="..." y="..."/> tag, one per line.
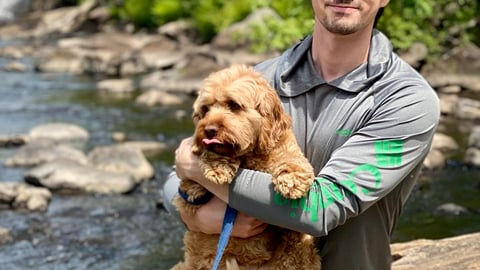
<point x="298" y="60"/>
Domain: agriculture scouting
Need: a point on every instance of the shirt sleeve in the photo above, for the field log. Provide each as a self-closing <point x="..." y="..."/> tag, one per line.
<point x="378" y="156"/>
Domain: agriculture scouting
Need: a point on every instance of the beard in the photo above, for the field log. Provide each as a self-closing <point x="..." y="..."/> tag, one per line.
<point x="340" y="28"/>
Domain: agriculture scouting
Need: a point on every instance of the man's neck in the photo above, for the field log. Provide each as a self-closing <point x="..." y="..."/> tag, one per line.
<point x="335" y="55"/>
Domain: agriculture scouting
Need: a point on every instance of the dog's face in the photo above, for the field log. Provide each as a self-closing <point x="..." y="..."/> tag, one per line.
<point x="237" y="112"/>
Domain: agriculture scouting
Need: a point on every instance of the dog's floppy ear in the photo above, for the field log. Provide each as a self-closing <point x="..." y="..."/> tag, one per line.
<point x="274" y="119"/>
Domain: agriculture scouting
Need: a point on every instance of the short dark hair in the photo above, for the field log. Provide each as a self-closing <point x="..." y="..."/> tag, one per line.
<point x="377" y="17"/>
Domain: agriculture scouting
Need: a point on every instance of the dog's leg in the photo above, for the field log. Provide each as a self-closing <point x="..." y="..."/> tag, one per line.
<point x="292" y="180"/>
<point x="218" y="169"/>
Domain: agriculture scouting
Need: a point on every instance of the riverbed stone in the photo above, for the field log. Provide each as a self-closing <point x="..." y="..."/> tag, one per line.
<point x="444" y="143"/>
<point x="67" y="175"/>
<point x="121" y="160"/>
<point x="451" y="209"/>
<point x="468" y="109"/>
<point x="5" y="236"/>
<point x="60" y="132"/>
<point x="435" y="160"/>
<point x="454" y="253"/>
<point x="13" y="140"/>
<point x="148" y="148"/>
<point x="40" y="151"/>
<point x="21" y="195"/>
<point x="153" y="98"/>
<point x="117" y="86"/>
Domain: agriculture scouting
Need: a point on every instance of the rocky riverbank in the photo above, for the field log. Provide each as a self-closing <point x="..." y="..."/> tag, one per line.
<point x="165" y="68"/>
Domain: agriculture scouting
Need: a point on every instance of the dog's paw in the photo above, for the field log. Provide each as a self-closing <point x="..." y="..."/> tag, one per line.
<point x="220" y="175"/>
<point x="293" y="185"/>
<point x="218" y="169"/>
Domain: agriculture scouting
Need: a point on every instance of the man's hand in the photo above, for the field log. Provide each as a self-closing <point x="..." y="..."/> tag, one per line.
<point x="209" y="218"/>
<point x="186" y="163"/>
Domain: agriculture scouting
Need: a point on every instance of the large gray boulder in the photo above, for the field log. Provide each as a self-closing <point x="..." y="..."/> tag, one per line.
<point x="67" y="175"/>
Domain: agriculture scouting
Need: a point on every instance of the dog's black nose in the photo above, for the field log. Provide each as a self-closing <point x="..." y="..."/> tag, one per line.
<point x="211" y="131"/>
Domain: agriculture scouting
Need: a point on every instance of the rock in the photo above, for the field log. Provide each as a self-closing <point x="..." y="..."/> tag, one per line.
<point x="149" y="149"/>
<point x="65" y="20"/>
<point x="5" y="236"/>
<point x="434" y="160"/>
<point x="416" y="55"/>
<point x="455" y="253"/>
<point x="466" y="81"/>
<point x="451" y="209"/>
<point x="42" y="151"/>
<point x="11" y="9"/>
<point x="468" y="109"/>
<point x="448" y="104"/>
<point x="154" y="97"/>
<point x="15" y="67"/>
<point x="32" y="198"/>
<point x="173" y="84"/>
<point x="15" y="140"/>
<point x="116" y="86"/>
<point x="474" y="138"/>
<point x="67" y="175"/>
<point x="60" y="132"/>
<point x="472" y="156"/>
<point x="160" y="53"/>
<point x="20" y="195"/>
<point x="121" y="160"/>
<point x="444" y="143"/>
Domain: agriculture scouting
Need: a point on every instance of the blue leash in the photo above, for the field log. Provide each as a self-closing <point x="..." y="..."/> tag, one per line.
<point x="227" y="226"/>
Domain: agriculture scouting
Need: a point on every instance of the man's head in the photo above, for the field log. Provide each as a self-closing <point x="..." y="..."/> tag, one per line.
<point x="347" y="16"/>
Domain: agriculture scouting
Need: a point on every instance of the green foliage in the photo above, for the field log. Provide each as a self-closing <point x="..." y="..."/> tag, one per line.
<point x="440" y="24"/>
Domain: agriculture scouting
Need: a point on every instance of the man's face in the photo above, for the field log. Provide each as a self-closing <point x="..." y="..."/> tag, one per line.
<point x="346" y="16"/>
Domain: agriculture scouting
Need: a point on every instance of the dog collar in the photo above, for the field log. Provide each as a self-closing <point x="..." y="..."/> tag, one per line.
<point x="197" y="201"/>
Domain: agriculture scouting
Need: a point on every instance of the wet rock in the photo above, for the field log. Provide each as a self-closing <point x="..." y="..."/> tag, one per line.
<point x="65" y="20"/>
<point x="434" y="160"/>
<point x="60" y="132"/>
<point x="116" y="86"/>
<point x="5" y="236"/>
<point x="20" y="195"/>
<point x="10" y="10"/>
<point x="416" y="55"/>
<point x="448" y="104"/>
<point x="14" y="140"/>
<point x="158" y="98"/>
<point x="451" y="209"/>
<point x="468" y="109"/>
<point x="15" y="67"/>
<point x="121" y="160"/>
<point x="42" y="151"/>
<point x="455" y="253"/>
<point x="67" y="175"/>
<point x="149" y="149"/>
<point x="444" y="143"/>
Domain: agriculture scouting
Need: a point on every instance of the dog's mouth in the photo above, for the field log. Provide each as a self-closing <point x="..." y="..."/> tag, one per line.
<point x="219" y="147"/>
<point x="209" y="142"/>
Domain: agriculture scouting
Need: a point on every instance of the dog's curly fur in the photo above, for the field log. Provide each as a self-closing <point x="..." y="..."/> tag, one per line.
<point x="240" y="122"/>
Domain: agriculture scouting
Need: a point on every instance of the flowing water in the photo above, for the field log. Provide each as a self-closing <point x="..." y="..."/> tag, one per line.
<point x="84" y="231"/>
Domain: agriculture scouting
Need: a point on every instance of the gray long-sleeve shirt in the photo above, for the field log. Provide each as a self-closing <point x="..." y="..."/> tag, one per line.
<point x="366" y="135"/>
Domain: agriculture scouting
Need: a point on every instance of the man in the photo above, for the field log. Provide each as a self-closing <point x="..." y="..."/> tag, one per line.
<point x="364" y="119"/>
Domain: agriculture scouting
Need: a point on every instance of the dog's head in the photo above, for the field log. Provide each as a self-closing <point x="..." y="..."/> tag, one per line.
<point x="237" y="112"/>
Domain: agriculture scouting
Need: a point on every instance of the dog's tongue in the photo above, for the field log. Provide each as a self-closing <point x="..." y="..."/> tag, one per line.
<point x="211" y="141"/>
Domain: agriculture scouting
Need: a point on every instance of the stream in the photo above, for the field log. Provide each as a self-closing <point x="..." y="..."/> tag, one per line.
<point x="132" y="231"/>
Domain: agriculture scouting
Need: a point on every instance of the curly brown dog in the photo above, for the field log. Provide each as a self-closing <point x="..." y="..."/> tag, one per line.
<point x="240" y="122"/>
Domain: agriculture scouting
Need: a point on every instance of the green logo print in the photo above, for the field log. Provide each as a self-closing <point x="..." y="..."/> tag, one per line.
<point x="323" y="192"/>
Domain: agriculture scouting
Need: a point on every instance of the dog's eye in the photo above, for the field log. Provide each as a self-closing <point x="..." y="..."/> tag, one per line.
<point x="233" y="106"/>
<point x="204" y="109"/>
